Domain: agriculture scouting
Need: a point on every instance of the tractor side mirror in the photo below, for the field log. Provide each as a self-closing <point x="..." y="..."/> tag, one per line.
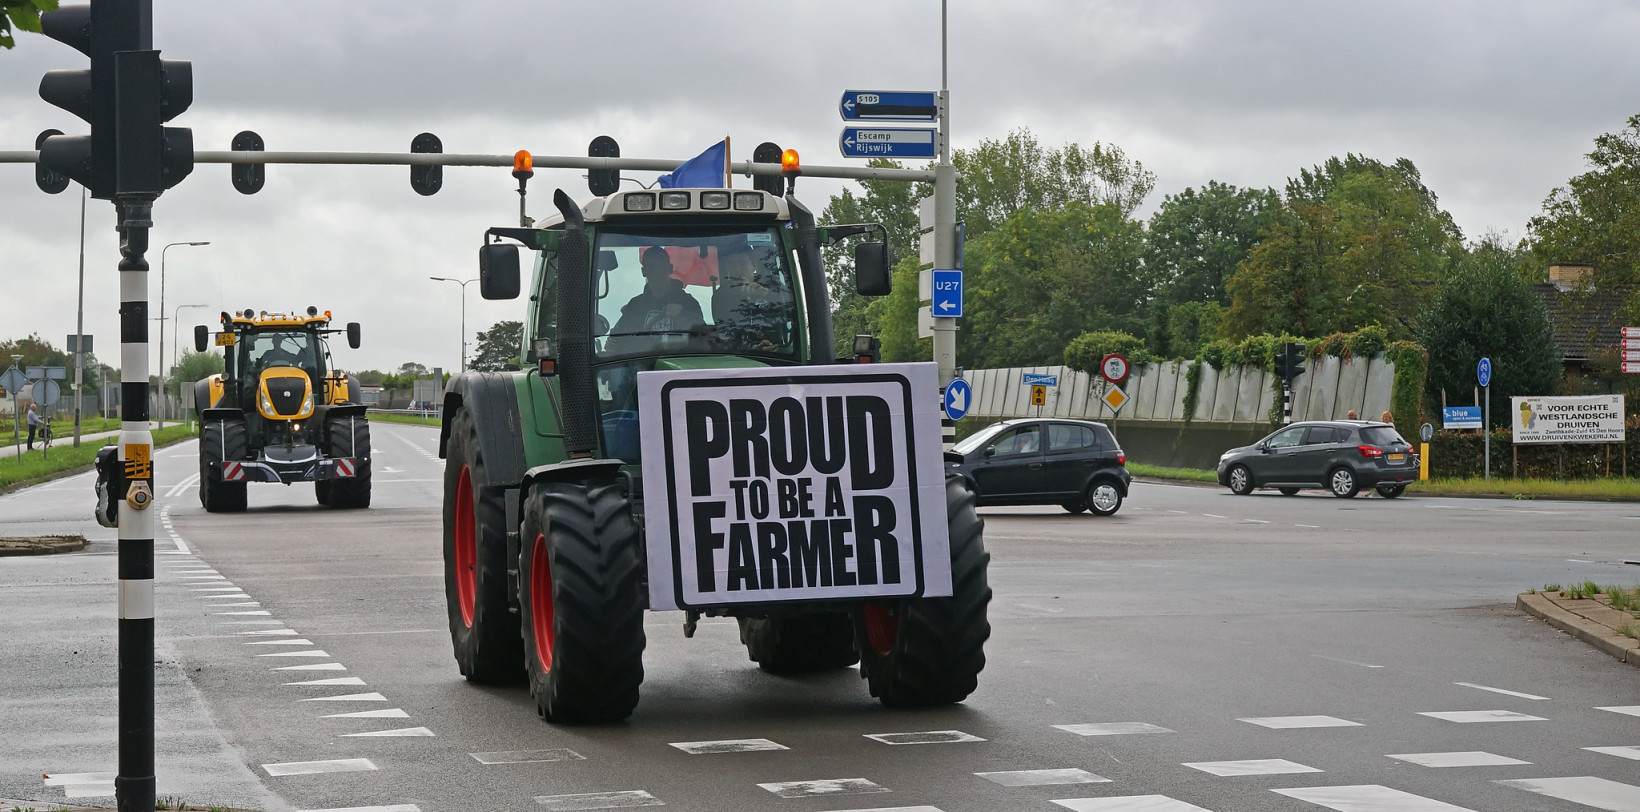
<point x="202" y="337"/>
<point x="353" y="334"/>
<point x="871" y="276"/>
<point x="498" y="270"/>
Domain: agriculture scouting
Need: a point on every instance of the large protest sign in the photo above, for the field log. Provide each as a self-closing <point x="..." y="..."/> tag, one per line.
<point x="1590" y="419"/>
<point x="793" y="484"/>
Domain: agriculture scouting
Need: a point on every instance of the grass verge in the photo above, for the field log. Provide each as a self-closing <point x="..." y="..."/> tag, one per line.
<point x="414" y="420"/>
<point x="1159" y="472"/>
<point x="35" y="466"/>
<point x="1613" y="490"/>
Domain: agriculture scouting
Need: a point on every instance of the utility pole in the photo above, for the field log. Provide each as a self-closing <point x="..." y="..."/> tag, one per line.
<point x="79" y="327"/>
<point x="945" y="238"/>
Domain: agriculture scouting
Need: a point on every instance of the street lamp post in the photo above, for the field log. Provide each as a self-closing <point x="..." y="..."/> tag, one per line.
<point x="176" y="345"/>
<point x="162" y="319"/>
<point x="463" y="284"/>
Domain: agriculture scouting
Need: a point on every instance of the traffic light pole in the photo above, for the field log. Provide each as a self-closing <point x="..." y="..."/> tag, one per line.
<point x="945" y="240"/>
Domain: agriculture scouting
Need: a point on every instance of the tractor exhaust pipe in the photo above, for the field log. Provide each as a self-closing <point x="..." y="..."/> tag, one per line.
<point x="575" y="332"/>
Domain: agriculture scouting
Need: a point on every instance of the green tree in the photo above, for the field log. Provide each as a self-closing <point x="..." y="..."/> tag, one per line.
<point x="894" y="205"/>
<point x="24" y="15"/>
<point x="194" y="366"/>
<point x="410" y="370"/>
<point x="498" y="346"/>
<point x="1485" y="307"/>
<point x="371" y="377"/>
<point x="1595" y="218"/>
<point x="1195" y="240"/>
<point x="1086" y="350"/>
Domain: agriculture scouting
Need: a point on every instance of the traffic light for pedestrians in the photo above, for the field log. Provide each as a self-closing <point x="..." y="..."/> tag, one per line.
<point x="89" y="94"/>
<point x="150" y="91"/>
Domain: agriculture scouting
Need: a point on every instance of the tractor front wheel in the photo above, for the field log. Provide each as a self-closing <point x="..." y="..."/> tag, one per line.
<point x="582" y="602"/>
<point x="929" y="651"/>
<point x="221" y="440"/>
<point x="349" y="436"/>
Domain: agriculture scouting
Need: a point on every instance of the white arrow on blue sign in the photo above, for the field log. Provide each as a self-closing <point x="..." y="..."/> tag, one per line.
<point x="887" y="142"/>
<point x="889" y="105"/>
<point x="945" y="293"/>
<point x="1483" y="372"/>
<point x="957" y="397"/>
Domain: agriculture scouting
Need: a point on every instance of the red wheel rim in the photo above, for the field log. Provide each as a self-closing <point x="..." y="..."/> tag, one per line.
<point x="541" y="602"/>
<point x="882" y="628"/>
<point x="466" y="547"/>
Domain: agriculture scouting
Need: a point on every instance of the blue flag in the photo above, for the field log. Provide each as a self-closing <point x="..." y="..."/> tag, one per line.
<point x="702" y="171"/>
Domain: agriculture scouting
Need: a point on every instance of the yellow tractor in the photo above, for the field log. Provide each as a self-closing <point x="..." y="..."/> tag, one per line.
<point x="279" y="412"/>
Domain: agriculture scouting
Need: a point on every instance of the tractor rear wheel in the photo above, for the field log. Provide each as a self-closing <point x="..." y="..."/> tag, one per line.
<point x="799" y="643"/>
<point x="349" y="436"/>
<point x="582" y="602"/>
<point x="929" y="651"/>
<point x="221" y="440"/>
<point x="483" y="631"/>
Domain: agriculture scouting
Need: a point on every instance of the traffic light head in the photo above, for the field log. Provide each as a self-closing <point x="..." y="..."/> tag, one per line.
<point x="150" y="157"/>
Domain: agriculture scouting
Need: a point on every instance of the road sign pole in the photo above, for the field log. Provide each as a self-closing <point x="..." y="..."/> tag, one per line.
<point x="945" y="256"/>
<point x="1486" y="431"/>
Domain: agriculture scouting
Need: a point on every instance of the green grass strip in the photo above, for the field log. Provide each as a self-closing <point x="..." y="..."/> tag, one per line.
<point x="1159" y="472"/>
<point x="1614" y="489"/>
<point x="39" y="465"/>
<point x="412" y="419"/>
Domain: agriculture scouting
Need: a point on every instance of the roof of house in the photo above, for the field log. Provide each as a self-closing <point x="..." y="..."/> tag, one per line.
<point x="1584" y="321"/>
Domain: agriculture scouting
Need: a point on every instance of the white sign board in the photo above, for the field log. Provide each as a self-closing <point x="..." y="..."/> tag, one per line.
<point x="793" y="484"/>
<point x="1589" y="419"/>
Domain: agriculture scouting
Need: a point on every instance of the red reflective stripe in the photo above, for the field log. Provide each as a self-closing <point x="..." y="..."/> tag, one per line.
<point x="344" y="466"/>
<point x="232" y="471"/>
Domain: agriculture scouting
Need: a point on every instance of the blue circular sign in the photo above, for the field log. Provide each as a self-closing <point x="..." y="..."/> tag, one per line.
<point x="1483" y="372"/>
<point x="958" y="397"/>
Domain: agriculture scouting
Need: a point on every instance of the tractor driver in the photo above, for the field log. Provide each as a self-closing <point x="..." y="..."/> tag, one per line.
<point x="662" y="312"/>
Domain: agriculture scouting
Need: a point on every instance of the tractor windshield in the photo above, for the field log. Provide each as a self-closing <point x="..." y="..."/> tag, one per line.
<point x="675" y="292"/>
<point x="275" y="348"/>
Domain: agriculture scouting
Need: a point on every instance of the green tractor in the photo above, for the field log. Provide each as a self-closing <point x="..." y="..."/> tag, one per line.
<point x="550" y="545"/>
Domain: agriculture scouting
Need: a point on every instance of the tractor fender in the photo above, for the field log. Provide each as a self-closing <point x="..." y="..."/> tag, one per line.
<point x="221" y="413"/>
<point x="580" y="470"/>
<point x="491" y="398"/>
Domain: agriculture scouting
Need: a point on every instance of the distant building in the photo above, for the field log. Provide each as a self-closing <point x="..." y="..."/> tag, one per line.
<point x="1586" y="321"/>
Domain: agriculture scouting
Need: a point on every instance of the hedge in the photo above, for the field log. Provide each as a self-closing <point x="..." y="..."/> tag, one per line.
<point x="1458" y="454"/>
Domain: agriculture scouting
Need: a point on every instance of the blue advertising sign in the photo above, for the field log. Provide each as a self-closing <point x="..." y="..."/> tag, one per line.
<point x="1461" y="417"/>
<point x="1483" y="373"/>
<point x="946" y="294"/>
<point x="958" y="395"/>
<point x="889" y="105"/>
<point x="887" y="142"/>
<point x="1038" y="379"/>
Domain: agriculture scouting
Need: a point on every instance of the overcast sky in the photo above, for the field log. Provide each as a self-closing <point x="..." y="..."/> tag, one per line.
<point x="1496" y="102"/>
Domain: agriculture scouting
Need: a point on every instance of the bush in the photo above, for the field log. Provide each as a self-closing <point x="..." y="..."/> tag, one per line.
<point x="1086" y="350"/>
<point x="1459" y="454"/>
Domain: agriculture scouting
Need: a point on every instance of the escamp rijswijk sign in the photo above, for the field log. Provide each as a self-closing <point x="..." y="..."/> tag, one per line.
<point x="1589" y="419"/>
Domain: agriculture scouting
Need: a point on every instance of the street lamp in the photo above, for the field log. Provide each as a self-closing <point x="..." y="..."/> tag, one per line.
<point x="162" y="319"/>
<point x="176" y="344"/>
<point x="463" y="284"/>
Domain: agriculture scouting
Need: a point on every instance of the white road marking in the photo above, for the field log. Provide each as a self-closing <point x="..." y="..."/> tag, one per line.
<point x="1472" y="758"/>
<point x="1042" y="778"/>
<point x="284" y="641"/>
<point x="386" y="713"/>
<point x="1254" y="521"/>
<point x="1368" y="798"/>
<point x="391" y="734"/>
<point x="598" y="800"/>
<point x="92" y="789"/>
<point x="728" y="746"/>
<point x="1346" y="662"/>
<point x="203" y="578"/>
<point x="313" y="653"/>
<point x="1112" y="728"/>
<point x="242" y="603"/>
<point x="1309" y="526"/>
<point x="1584" y="789"/>
<point x="260" y="612"/>
<point x="340" y="765"/>
<point x="824" y="786"/>
<point x="1471" y="717"/>
<point x="528" y="756"/>
<point x="927" y="737"/>
<point x="1214" y="516"/>
<point x="331" y="681"/>
<point x="1620" y="752"/>
<point x="1256" y="766"/>
<point x="371" y="696"/>
<point x="267" y="633"/>
<point x="894" y="809"/>
<point x="223" y="596"/>
<point x="1129" y="803"/>
<point x="1632" y="710"/>
<point x="1499" y="691"/>
<point x="313" y="667"/>
<point x="228" y="588"/>
<point x="388" y="808"/>
<point x="1292" y="722"/>
<point x="64" y="779"/>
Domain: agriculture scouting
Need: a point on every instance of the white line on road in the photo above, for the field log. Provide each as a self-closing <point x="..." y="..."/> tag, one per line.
<point x="340" y="765"/>
<point x="1309" y="526"/>
<point x="1500" y="691"/>
<point x="1346" y="662"/>
<point x="1215" y="516"/>
<point x="403" y="731"/>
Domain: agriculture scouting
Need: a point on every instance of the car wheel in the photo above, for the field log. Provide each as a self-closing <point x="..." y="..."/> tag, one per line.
<point x="1288" y="491"/>
<point x="1241" y="480"/>
<point x="1074" y="506"/>
<point x="1342" y="483"/>
<point x="1391" y="491"/>
<point x="1104" y="498"/>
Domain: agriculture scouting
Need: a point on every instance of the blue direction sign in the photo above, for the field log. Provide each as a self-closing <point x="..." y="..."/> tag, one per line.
<point x="946" y="294"/>
<point x="958" y="395"/>
<point x="1483" y="372"/>
<point x="889" y="105"/>
<point x="887" y="142"/>
<point x="1038" y="379"/>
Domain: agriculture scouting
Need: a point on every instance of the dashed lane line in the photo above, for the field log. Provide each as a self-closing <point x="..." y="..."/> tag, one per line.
<point x="1500" y="691"/>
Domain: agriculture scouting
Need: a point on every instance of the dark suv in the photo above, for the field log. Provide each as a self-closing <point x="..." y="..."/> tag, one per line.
<point x="1342" y="456"/>
<point x="1075" y="464"/>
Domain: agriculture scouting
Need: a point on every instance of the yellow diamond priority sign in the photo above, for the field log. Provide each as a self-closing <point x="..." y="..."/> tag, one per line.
<point x="1115" y="398"/>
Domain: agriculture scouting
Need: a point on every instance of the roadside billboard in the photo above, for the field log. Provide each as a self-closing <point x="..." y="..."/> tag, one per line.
<point x="1588" y="419"/>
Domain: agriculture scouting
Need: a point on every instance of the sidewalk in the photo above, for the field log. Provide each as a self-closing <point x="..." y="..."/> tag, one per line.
<point x="1589" y="620"/>
<point x="65" y="440"/>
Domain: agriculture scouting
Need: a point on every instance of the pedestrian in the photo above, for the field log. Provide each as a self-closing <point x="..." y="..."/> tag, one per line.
<point x="1352" y="415"/>
<point x="34" y="421"/>
<point x="1386" y="417"/>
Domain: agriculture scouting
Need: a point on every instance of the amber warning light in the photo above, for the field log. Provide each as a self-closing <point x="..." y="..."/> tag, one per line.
<point x="788" y="162"/>
<point x="523" y="164"/>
